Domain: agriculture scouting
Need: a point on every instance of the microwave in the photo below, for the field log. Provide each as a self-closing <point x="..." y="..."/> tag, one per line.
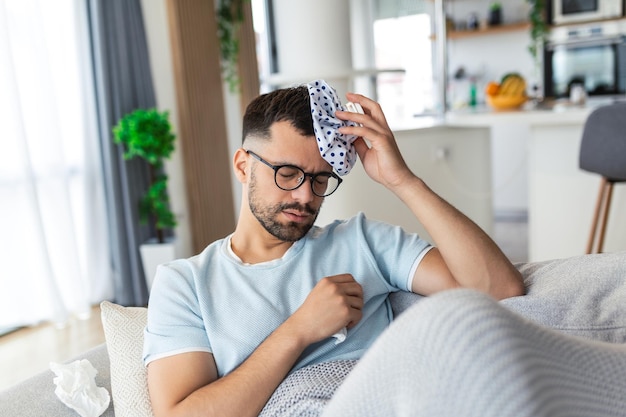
<point x="572" y="11"/>
<point x="592" y="54"/>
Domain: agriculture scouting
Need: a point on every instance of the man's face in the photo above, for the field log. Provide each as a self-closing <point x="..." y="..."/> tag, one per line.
<point x="286" y="215"/>
<point x="271" y="215"/>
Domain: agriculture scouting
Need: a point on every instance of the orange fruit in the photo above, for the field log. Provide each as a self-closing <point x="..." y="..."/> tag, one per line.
<point x="492" y="88"/>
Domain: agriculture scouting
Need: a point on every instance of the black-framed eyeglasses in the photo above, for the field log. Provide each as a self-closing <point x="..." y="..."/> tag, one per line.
<point x="290" y="177"/>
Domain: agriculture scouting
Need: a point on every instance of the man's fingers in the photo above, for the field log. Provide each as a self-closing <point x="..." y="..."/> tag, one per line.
<point x="361" y="147"/>
<point x="353" y="289"/>
<point x="347" y="285"/>
<point x="356" y="302"/>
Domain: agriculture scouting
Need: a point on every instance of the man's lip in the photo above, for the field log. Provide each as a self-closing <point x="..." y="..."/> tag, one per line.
<point x="296" y="215"/>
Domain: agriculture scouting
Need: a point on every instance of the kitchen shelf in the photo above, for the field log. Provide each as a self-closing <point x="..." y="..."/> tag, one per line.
<point x="491" y="30"/>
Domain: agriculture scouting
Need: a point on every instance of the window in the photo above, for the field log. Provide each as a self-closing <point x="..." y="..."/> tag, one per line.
<point x="404" y="42"/>
<point x="50" y="184"/>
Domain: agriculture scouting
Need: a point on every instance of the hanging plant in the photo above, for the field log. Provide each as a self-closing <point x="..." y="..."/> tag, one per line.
<point x="229" y="19"/>
<point x="147" y="134"/>
<point x="539" y="29"/>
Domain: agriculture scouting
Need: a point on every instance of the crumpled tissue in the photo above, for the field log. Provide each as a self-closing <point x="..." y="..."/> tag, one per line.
<point x="341" y="335"/>
<point x="76" y="388"/>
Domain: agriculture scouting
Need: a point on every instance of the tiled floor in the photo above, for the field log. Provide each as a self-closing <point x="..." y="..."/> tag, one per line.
<point x="26" y="352"/>
<point x="512" y="237"/>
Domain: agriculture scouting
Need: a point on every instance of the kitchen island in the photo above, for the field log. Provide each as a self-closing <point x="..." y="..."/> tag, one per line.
<point x="561" y="197"/>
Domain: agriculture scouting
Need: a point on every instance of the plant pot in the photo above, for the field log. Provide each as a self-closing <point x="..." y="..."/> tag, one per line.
<point x="153" y="254"/>
<point x="495" y="17"/>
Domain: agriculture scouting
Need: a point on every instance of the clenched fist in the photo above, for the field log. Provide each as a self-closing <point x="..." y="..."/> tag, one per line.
<point x="334" y="303"/>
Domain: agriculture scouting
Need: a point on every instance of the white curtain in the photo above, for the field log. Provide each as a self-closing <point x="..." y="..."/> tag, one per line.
<point x="54" y="257"/>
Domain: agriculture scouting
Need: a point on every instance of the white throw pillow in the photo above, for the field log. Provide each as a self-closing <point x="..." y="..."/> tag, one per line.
<point x="123" y="331"/>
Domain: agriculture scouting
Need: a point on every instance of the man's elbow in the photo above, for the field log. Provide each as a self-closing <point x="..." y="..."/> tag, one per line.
<point x="512" y="287"/>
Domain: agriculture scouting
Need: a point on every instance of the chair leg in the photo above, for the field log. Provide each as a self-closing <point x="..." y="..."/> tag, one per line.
<point x="605" y="214"/>
<point x="596" y="215"/>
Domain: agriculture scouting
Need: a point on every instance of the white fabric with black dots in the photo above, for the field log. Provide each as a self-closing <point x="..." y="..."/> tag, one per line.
<point x="336" y="148"/>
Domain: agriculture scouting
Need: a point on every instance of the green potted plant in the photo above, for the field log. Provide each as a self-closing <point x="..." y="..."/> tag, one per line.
<point x="539" y="29"/>
<point x="147" y="134"/>
<point x="230" y="15"/>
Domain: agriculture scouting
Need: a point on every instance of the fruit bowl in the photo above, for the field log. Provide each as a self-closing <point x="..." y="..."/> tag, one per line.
<point x="506" y="102"/>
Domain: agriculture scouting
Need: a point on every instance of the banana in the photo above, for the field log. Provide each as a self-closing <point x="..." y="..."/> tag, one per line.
<point x="512" y="85"/>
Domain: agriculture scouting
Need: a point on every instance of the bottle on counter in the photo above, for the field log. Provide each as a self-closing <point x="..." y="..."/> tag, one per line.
<point x="473" y="99"/>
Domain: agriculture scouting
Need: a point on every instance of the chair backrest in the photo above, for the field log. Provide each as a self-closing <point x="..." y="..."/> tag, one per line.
<point x="603" y="146"/>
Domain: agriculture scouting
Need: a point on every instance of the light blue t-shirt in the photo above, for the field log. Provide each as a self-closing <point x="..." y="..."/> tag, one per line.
<point x="214" y="303"/>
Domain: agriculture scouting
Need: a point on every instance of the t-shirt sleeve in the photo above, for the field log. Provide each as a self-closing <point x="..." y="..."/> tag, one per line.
<point x="175" y="323"/>
<point x="397" y="253"/>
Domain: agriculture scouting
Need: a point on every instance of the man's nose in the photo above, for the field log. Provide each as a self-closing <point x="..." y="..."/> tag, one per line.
<point x="304" y="192"/>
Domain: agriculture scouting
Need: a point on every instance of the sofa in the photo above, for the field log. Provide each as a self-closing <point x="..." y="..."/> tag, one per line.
<point x="580" y="297"/>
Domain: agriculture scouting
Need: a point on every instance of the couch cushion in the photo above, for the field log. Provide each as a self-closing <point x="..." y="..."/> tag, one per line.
<point x="123" y="331"/>
<point x="582" y="295"/>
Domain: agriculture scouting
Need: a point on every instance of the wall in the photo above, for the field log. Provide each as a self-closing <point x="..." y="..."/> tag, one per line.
<point x="322" y="49"/>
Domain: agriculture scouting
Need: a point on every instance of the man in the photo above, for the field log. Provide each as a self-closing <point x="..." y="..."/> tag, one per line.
<point x="226" y="327"/>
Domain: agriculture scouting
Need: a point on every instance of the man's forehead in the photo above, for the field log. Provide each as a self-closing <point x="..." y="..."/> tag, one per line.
<point x="286" y="128"/>
<point x="287" y="146"/>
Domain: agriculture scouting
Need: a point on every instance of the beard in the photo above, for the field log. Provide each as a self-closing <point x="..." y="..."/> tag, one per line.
<point x="267" y="215"/>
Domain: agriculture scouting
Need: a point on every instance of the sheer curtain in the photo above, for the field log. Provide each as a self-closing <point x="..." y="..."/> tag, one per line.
<point x="54" y="244"/>
<point x="123" y="81"/>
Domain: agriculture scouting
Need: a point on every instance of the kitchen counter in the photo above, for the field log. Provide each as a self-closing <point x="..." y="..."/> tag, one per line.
<point x="561" y="196"/>
<point x="559" y="113"/>
<point x="555" y="115"/>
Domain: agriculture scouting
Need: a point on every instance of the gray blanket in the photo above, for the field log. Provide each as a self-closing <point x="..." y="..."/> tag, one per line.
<point x="307" y="391"/>
<point x="525" y="356"/>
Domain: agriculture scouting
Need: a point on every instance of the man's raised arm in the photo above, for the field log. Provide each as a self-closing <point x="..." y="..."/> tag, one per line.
<point x="464" y="255"/>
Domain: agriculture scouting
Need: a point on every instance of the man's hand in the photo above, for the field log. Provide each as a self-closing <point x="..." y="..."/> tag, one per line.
<point x="382" y="159"/>
<point x="334" y="303"/>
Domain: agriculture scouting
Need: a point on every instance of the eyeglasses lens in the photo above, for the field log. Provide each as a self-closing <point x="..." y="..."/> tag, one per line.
<point x="290" y="178"/>
<point x="324" y="184"/>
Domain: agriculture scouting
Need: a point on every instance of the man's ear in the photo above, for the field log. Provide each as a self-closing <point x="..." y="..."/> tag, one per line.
<point x="241" y="165"/>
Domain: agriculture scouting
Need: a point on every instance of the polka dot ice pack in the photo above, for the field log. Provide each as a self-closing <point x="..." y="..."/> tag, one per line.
<point x="336" y="148"/>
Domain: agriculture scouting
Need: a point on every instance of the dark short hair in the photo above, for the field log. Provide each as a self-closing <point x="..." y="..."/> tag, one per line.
<point x="287" y="104"/>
